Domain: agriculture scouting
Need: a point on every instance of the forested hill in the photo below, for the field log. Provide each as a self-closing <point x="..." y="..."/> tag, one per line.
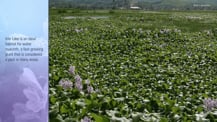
<point x="143" y="4"/>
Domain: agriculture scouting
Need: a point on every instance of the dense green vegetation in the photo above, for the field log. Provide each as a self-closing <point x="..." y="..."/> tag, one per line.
<point x="142" y="65"/>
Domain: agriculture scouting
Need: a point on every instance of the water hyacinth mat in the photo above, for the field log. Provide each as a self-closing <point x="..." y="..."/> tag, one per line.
<point x="132" y="67"/>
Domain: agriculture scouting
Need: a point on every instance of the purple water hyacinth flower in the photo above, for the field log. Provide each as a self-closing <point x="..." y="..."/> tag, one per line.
<point x="90" y="89"/>
<point x="66" y="84"/>
<point x="209" y="104"/>
<point x="86" y="119"/>
<point x="78" y="83"/>
<point x="79" y="86"/>
<point x="78" y="79"/>
<point x="72" y="70"/>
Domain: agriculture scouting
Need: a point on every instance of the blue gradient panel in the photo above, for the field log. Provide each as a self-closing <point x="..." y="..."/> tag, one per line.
<point x="24" y="66"/>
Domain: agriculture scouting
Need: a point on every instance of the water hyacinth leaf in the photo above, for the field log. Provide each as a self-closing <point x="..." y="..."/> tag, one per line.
<point x="53" y="113"/>
<point x="59" y="119"/>
<point x="63" y="109"/>
<point x="53" y="100"/>
<point x="70" y="120"/>
<point x="99" y="118"/>
<point x="163" y="120"/>
<point x="88" y="102"/>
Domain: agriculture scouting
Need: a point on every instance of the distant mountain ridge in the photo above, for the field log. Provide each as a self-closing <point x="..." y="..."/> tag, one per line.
<point x="143" y="4"/>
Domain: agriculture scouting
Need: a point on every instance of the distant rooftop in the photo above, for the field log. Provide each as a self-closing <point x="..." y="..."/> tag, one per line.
<point x="135" y="7"/>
